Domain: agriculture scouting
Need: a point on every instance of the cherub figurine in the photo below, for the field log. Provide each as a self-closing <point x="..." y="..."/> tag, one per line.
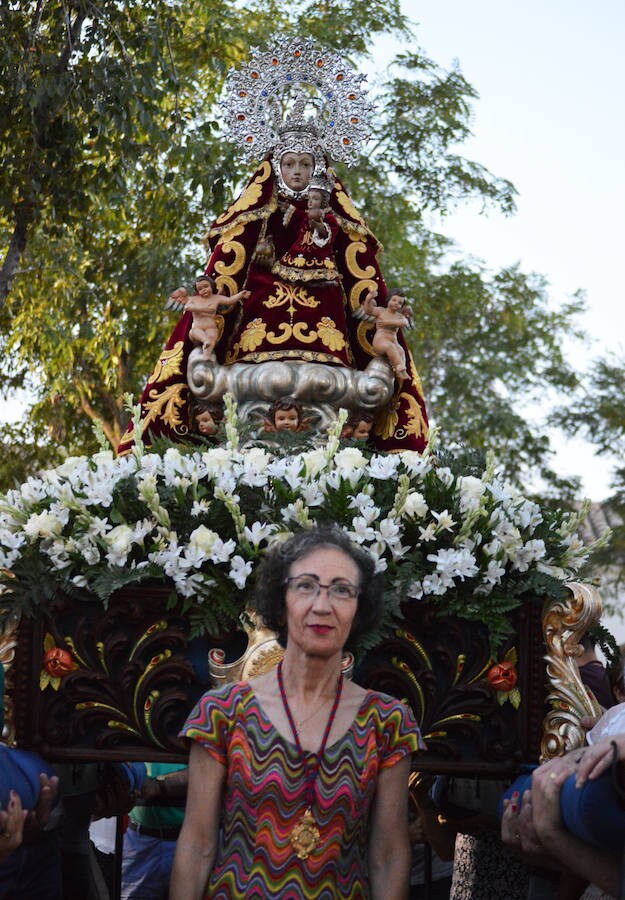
<point x="389" y="319"/>
<point x="204" y="306"/>
<point x="285" y="414"/>
<point x="207" y="417"/>
<point x="358" y="426"/>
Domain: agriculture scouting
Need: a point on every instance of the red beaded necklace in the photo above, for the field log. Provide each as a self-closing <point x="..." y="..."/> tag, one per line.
<point x="305" y="835"/>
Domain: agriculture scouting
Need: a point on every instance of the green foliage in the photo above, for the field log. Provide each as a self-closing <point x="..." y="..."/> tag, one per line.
<point x="597" y="411"/>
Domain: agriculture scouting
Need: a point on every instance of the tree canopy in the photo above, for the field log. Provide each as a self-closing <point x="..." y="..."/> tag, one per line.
<point x="115" y="162"/>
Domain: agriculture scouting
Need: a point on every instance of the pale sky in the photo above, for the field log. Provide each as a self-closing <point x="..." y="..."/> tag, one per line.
<point x="551" y="80"/>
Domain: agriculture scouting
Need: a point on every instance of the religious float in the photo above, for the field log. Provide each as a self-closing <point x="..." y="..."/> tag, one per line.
<point x="286" y="396"/>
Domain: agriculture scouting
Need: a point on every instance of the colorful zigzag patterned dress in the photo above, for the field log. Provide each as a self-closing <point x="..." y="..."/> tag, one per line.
<point x="264" y="796"/>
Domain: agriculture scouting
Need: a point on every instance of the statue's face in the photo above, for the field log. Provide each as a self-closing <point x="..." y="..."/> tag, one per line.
<point x="362" y="430"/>
<point x="315" y="199"/>
<point x="286" y="419"/>
<point x="205" y="423"/>
<point x="395" y="303"/>
<point x="296" y="169"/>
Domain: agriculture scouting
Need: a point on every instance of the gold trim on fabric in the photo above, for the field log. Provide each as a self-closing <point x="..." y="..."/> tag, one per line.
<point x="231" y="246"/>
<point x="329" y="335"/>
<point x="285" y="293"/>
<point x="252" y="337"/>
<point x="166" y="405"/>
<point x="169" y="363"/>
<point x="361" y="337"/>
<point x="385" y="428"/>
<point x="353" y="266"/>
<point x="296" y="275"/>
<point x="306" y="355"/>
<point x="227" y="286"/>
<point x="415" y="423"/>
<point x="262" y="213"/>
<point x="348" y="207"/>
<point x="250" y="195"/>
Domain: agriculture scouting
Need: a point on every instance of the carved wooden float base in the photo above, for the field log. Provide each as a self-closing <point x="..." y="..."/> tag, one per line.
<point x="136" y="674"/>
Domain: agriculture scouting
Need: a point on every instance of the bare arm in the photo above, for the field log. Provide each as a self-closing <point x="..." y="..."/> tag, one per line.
<point x="389" y="847"/>
<point x="232" y="301"/>
<point x="572" y="854"/>
<point x="369" y="304"/>
<point x="197" y="844"/>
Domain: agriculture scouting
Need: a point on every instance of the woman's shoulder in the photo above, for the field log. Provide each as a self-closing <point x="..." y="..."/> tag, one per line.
<point x="392" y="719"/>
<point x="384" y="704"/>
<point x="227" y="696"/>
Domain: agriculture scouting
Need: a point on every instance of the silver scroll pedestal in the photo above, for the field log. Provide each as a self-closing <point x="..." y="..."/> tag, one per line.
<point x="322" y="389"/>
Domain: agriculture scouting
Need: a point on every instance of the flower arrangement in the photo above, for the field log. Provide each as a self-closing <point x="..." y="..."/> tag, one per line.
<point x="199" y="518"/>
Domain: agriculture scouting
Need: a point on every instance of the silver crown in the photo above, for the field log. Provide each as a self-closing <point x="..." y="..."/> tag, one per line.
<point x="297" y="98"/>
<point x="321" y="182"/>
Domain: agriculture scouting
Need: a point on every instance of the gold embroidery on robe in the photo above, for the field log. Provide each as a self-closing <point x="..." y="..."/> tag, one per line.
<point x="329" y="335"/>
<point x="385" y="428"/>
<point x="166" y="405"/>
<point x="169" y="363"/>
<point x="415" y="423"/>
<point x="253" y="336"/>
<point x="349" y="208"/>
<point x="250" y="195"/>
<point x="286" y="293"/>
<point x="229" y="246"/>
<point x="268" y="355"/>
<point x="353" y="266"/>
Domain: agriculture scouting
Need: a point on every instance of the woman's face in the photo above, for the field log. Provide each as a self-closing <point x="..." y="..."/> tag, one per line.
<point x="320" y="626"/>
<point x="296" y="169"/>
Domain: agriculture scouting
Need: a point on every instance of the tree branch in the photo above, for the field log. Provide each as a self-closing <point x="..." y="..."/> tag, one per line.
<point x="24" y="218"/>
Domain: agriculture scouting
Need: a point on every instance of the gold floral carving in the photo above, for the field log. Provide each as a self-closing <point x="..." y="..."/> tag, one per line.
<point x="8" y="641"/>
<point x="250" y="196"/>
<point x="329" y="335"/>
<point x="169" y="364"/>
<point x="166" y="404"/>
<point x="564" y="624"/>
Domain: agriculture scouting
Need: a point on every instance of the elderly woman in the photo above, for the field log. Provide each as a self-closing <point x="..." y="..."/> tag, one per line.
<point x="298" y="779"/>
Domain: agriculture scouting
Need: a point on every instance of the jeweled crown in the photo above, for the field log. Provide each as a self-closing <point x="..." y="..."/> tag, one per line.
<point x="297" y="98"/>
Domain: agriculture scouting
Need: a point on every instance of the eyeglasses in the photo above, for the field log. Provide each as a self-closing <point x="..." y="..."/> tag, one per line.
<point x="307" y="587"/>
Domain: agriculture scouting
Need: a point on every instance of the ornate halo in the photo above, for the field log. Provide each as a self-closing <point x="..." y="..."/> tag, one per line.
<point x="297" y="97"/>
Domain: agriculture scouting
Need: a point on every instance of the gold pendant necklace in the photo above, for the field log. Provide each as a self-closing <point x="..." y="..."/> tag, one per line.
<point x="305" y="836"/>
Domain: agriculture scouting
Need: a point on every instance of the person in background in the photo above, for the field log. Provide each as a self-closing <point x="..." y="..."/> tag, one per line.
<point x="593" y="673"/>
<point x="153" y="828"/>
